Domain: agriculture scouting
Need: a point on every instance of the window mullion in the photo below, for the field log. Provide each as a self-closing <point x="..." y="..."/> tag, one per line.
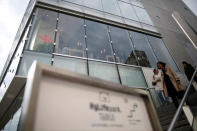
<point x="114" y="54"/>
<point x="55" y="39"/>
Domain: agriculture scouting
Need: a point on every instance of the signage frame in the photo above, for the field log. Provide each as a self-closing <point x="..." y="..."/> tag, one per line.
<point x="38" y="71"/>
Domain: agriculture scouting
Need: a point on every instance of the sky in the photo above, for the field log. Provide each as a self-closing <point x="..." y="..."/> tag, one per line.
<point x="11" y="14"/>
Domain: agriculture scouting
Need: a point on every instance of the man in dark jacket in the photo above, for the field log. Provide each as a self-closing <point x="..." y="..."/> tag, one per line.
<point x="192" y="96"/>
<point x="189" y="70"/>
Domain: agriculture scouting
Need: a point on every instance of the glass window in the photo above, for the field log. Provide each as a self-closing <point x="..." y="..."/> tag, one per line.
<point x="70" y="36"/>
<point x="98" y="41"/>
<point x="75" y="65"/>
<point x="122" y="46"/>
<point x="111" y="6"/>
<point x="137" y="3"/>
<point x="161" y="52"/>
<point x="75" y="1"/>
<point x="96" y="4"/>
<point x="155" y="98"/>
<point x="3" y="89"/>
<point x="29" y="57"/>
<point x="94" y="12"/>
<point x="114" y="18"/>
<point x="43" y="30"/>
<point x="104" y="71"/>
<point x="128" y="1"/>
<point x="143" y="51"/>
<point x="149" y="27"/>
<point x="132" y="76"/>
<point x="128" y="11"/>
<point x="143" y="15"/>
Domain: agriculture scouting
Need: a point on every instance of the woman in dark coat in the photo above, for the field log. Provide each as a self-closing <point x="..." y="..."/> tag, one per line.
<point x="171" y="82"/>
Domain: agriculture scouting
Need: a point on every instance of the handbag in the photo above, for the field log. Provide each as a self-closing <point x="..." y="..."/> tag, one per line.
<point x="154" y="83"/>
<point x="180" y="94"/>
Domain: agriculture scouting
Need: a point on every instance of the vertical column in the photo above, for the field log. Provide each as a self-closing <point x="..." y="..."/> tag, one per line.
<point x="55" y="38"/>
<point x="86" y="47"/>
<point x="133" y="49"/>
<point x="111" y="44"/>
<point x="29" y="31"/>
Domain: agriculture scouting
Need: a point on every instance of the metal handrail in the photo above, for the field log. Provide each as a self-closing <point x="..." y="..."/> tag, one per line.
<point x="182" y="102"/>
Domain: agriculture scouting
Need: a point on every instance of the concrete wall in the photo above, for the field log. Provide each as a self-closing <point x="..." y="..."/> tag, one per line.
<point x="176" y="41"/>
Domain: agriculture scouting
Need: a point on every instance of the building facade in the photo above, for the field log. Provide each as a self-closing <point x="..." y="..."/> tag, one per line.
<point x="116" y="40"/>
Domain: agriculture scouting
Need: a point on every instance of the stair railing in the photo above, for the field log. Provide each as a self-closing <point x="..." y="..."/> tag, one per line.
<point x="182" y="102"/>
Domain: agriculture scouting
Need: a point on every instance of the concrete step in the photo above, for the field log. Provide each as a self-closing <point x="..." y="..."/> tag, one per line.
<point x="163" y="117"/>
<point x="178" y="124"/>
<point x="194" y="110"/>
<point x="168" y="121"/>
<point x="184" y="128"/>
<point x="166" y="114"/>
<point x="166" y="107"/>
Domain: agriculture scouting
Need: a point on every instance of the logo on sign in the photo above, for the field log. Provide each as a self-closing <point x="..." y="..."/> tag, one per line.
<point x="104" y="97"/>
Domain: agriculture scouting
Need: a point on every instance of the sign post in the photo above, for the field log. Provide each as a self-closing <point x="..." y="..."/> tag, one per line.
<point x="61" y="100"/>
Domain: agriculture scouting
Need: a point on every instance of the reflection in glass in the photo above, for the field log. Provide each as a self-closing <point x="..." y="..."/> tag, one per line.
<point x="161" y="52"/>
<point x="128" y="11"/>
<point x="137" y="3"/>
<point x="143" y="51"/>
<point x="94" y="12"/>
<point x="104" y="71"/>
<point x="29" y="57"/>
<point x="42" y="35"/>
<point x="75" y="1"/>
<point x="149" y="27"/>
<point x="128" y="1"/>
<point x="75" y="65"/>
<point x="132" y="76"/>
<point x="70" y="36"/>
<point x="143" y="15"/>
<point x="98" y="41"/>
<point x="111" y="6"/>
<point x="7" y="126"/>
<point x="95" y="4"/>
<point x="155" y="98"/>
<point x="15" y="121"/>
<point x="122" y="46"/>
<point x="3" y="89"/>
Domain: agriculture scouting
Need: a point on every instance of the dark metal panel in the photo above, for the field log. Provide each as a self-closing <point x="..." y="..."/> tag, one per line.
<point x="6" y="105"/>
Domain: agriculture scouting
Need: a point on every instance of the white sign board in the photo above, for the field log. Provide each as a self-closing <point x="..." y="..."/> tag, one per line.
<point x="79" y="103"/>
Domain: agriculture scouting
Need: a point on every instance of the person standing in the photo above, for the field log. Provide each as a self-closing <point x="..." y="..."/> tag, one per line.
<point x="189" y="70"/>
<point x="192" y="95"/>
<point x="157" y="83"/>
<point x="171" y="83"/>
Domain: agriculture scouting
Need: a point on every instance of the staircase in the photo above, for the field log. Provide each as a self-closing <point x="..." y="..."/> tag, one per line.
<point x="166" y="113"/>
